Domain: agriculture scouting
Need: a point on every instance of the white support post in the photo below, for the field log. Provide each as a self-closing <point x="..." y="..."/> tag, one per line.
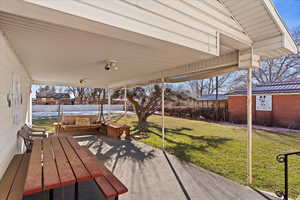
<point x="125" y="101"/>
<point x="163" y="111"/>
<point x="249" y="127"/>
<point x="109" y="103"/>
<point x="29" y="111"/>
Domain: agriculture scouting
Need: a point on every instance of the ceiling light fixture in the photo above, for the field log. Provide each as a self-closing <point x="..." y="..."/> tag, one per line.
<point x="83" y="80"/>
<point x="111" y="64"/>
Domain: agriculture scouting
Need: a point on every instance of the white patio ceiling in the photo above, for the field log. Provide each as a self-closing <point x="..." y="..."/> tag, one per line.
<point x="61" y="42"/>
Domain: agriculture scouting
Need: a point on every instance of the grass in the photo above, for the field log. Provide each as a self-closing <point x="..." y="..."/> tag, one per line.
<point x="222" y="149"/>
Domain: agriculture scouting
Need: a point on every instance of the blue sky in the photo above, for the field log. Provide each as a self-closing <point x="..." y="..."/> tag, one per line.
<point x="289" y="11"/>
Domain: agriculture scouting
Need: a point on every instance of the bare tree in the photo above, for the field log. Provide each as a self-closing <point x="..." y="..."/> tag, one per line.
<point x="96" y="94"/>
<point x="78" y="92"/>
<point x="197" y="87"/>
<point x="278" y="70"/>
<point x="47" y="89"/>
<point x="208" y="86"/>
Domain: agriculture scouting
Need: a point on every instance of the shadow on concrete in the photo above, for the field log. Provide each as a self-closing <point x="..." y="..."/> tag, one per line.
<point x="149" y="173"/>
<point x="187" y="196"/>
<point x="111" y="149"/>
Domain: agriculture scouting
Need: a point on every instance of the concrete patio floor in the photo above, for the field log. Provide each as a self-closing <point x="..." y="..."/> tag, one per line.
<point x="150" y="174"/>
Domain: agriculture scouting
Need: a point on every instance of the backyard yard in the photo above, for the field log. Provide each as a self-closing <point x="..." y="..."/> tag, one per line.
<point x="222" y="149"/>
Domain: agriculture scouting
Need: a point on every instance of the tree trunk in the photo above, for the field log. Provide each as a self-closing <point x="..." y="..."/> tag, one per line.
<point x="142" y="122"/>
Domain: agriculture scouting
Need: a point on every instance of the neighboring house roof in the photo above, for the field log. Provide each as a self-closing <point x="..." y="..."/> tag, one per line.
<point x="212" y="97"/>
<point x="287" y="87"/>
<point x="54" y="95"/>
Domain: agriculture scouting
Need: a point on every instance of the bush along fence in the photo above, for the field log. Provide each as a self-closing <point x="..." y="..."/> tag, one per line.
<point x="216" y="114"/>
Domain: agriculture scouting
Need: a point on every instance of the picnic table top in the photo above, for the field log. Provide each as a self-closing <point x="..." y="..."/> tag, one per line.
<point x="59" y="161"/>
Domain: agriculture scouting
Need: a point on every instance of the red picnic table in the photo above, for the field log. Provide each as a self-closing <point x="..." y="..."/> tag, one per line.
<point x="60" y="161"/>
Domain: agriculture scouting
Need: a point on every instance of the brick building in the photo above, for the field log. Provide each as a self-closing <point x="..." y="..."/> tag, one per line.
<point x="51" y="98"/>
<point x="273" y="105"/>
<point x="95" y="100"/>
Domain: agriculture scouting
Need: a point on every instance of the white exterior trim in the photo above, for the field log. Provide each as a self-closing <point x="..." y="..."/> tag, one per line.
<point x="265" y="94"/>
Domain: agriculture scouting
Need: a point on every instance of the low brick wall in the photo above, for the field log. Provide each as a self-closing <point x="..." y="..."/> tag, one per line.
<point x="285" y="111"/>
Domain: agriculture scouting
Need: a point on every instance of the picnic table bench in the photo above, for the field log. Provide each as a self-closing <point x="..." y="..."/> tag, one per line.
<point x="13" y="180"/>
<point x="56" y="162"/>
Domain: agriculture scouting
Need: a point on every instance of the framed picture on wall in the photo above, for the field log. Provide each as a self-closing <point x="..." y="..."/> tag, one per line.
<point x="264" y="102"/>
<point x="16" y="98"/>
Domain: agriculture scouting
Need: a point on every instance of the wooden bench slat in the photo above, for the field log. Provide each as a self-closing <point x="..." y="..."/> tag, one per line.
<point x="63" y="166"/>
<point x="34" y="175"/>
<point x="106" y="187"/>
<point x="98" y="167"/>
<point x="9" y="175"/>
<point x="50" y="175"/>
<point x="87" y="158"/>
<point x="17" y="188"/>
<point x="79" y="169"/>
<point x="114" y="181"/>
<point x="119" y="187"/>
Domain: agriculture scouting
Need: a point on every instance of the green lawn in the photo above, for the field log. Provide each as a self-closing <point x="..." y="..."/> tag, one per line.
<point x="222" y="149"/>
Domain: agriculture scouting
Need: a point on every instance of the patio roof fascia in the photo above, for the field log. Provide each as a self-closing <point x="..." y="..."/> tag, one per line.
<point x="269" y="33"/>
<point x="187" y="77"/>
<point x="288" y="41"/>
<point x="202" y="69"/>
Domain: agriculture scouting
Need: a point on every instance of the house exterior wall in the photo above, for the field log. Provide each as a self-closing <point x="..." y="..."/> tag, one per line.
<point x="285" y="111"/>
<point x="237" y="109"/>
<point x="11" y="71"/>
<point x="45" y="101"/>
<point x="52" y="101"/>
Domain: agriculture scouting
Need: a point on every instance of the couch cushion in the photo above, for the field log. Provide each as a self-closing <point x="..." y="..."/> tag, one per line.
<point x="93" y="119"/>
<point x="68" y="120"/>
<point x="82" y="121"/>
<point x="92" y="126"/>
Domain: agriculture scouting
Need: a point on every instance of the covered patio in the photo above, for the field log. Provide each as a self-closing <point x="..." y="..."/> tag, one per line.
<point x="126" y="43"/>
<point x="149" y="173"/>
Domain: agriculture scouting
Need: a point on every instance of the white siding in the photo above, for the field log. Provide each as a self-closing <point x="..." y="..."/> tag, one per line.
<point x="262" y="23"/>
<point x="10" y="66"/>
<point x="191" y="23"/>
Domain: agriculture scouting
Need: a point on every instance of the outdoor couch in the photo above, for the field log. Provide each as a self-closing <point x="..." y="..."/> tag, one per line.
<point x="77" y="124"/>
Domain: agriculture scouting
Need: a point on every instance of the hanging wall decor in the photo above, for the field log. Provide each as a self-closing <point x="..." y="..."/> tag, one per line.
<point x="16" y="98"/>
<point x="8" y="98"/>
